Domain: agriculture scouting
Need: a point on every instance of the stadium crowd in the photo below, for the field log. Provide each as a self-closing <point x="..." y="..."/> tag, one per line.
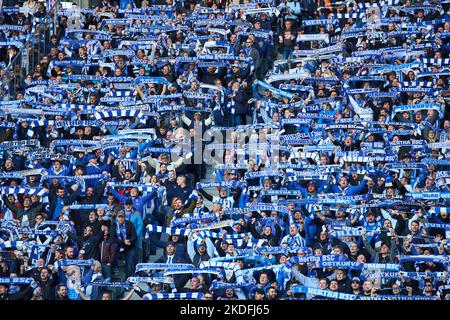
<point x="272" y="150"/>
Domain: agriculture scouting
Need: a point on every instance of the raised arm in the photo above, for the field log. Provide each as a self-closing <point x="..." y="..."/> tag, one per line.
<point x="307" y="281"/>
<point x="387" y="216"/>
<point x="151" y="161"/>
<point x="9" y="205"/>
<point x="191" y="249"/>
<point x="208" y="121"/>
<point x="74" y="237"/>
<point x="205" y="194"/>
<point x="180" y="161"/>
<point x="82" y="294"/>
<point x="186" y="120"/>
<point x="117" y="194"/>
<point x="148" y="196"/>
<point x="209" y="247"/>
<point x="354" y="190"/>
<point x="129" y="294"/>
<point x="367" y="245"/>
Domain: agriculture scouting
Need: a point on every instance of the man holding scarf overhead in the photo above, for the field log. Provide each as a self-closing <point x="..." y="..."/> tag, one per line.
<point x="171" y="256"/>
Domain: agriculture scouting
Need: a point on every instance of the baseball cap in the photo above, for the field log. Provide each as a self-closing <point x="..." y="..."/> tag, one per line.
<point x="128" y="201"/>
<point x="90" y="157"/>
<point x="356" y="279"/>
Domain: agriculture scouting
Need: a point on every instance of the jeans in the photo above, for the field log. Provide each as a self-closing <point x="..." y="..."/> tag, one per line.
<point x="238" y="119"/>
<point x="106" y="270"/>
<point x="139" y="254"/>
<point x="287" y="52"/>
<point x="129" y="255"/>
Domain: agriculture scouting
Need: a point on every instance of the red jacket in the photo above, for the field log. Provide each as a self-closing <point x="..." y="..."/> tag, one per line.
<point x="108" y="251"/>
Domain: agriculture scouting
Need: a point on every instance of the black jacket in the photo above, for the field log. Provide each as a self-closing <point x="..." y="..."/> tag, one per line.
<point x="130" y="235"/>
<point x="199" y="258"/>
<point x="48" y="287"/>
<point x="240" y="102"/>
<point x="96" y="227"/>
<point x="178" y="258"/>
<point x="88" y="244"/>
<point x="24" y="294"/>
<point x="179" y="280"/>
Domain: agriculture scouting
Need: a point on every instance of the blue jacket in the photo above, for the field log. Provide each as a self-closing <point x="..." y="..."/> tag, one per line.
<point x="136" y="219"/>
<point x="138" y="202"/>
<point x="350" y="190"/>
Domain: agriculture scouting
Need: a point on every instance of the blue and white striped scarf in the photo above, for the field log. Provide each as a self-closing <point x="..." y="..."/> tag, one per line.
<point x="226" y="265"/>
<point x="193" y="271"/>
<point x="269" y="207"/>
<point x="425" y="258"/>
<point x="218" y="285"/>
<point x="119" y="114"/>
<point x="163" y="266"/>
<point x="165" y="296"/>
<point x="16" y="280"/>
<point x="21" y="190"/>
<point x="110" y="284"/>
<point x="193" y="219"/>
<point x="167" y="280"/>
<point x="140" y="186"/>
<point x="217" y="235"/>
<point x="345" y="296"/>
<point x="87" y="206"/>
<point x="170" y="231"/>
<point x="68" y="262"/>
<point x="19" y="144"/>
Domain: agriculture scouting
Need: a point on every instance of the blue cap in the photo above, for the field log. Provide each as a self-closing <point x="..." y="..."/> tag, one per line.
<point x="90" y="157"/>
